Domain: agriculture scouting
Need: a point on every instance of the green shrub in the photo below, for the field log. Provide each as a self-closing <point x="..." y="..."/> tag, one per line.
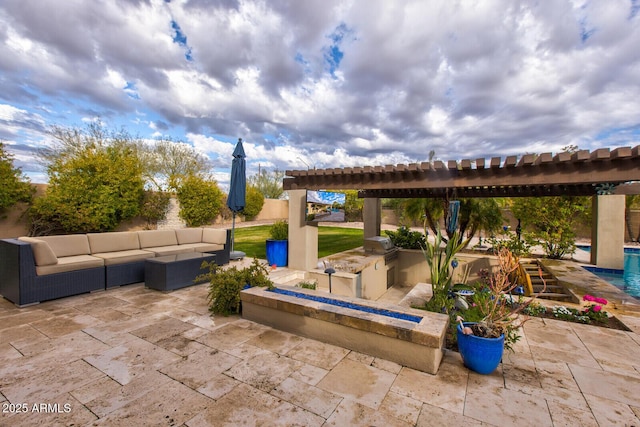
<point x="155" y="205"/>
<point x="225" y="285"/>
<point x="308" y="285"/>
<point x="549" y="221"/>
<point x="254" y="201"/>
<point x="95" y="183"/>
<point x="518" y="247"/>
<point x="200" y="200"/>
<point x="279" y="230"/>
<point x="535" y="309"/>
<point x="14" y="186"/>
<point x="406" y="239"/>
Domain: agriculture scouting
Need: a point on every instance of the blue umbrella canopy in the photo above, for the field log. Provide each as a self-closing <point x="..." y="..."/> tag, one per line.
<point x="236" y="200"/>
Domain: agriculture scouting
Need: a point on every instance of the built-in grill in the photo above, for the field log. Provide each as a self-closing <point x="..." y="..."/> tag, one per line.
<point x="378" y="245"/>
<point x="381" y="246"/>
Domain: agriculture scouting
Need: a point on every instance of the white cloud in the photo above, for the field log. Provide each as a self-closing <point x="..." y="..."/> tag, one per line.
<point x="336" y="83"/>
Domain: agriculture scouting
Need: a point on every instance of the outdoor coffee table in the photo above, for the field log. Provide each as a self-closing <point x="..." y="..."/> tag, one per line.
<point x="169" y="272"/>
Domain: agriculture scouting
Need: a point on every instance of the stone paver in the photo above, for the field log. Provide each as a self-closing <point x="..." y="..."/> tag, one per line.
<point x="358" y="382"/>
<point x="136" y="357"/>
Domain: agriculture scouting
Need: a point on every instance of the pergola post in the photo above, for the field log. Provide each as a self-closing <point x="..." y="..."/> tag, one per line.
<point x="303" y="238"/>
<point x="372" y="217"/>
<point x="607" y="232"/>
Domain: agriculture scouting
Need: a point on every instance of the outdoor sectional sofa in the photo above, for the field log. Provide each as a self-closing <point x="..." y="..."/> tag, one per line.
<point x="35" y="269"/>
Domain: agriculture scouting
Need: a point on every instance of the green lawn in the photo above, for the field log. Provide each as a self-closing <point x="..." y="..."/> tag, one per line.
<point x="331" y="240"/>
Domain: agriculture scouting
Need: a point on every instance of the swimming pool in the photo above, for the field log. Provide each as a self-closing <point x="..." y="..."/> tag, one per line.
<point x="629" y="279"/>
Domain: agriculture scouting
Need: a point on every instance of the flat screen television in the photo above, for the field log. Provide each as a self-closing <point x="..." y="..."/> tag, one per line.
<point x="325" y="206"/>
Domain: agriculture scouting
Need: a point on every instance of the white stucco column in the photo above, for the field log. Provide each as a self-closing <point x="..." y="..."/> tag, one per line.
<point x="372" y="217"/>
<point x="303" y="238"/>
<point x="607" y="233"/>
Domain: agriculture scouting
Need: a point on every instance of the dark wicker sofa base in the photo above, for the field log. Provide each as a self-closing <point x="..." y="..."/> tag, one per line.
<point x="124" y="274"/>
<point x="20" y="284"/>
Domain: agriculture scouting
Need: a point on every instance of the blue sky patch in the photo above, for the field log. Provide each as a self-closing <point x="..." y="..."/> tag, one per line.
<point x="333" y="54"/>
<point x="635" y="8"/>
<point x="181" y="39"/>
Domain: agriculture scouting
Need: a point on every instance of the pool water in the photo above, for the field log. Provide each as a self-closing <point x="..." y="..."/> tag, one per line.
<point x="629" y="280"/>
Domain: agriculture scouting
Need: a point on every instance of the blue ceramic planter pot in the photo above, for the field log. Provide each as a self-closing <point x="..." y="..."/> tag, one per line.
<point x="277" y="252"/>
<point x="481" y="355"/>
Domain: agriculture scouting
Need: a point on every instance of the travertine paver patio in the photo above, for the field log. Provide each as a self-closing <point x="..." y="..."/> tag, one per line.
<point x="133" y="356"/>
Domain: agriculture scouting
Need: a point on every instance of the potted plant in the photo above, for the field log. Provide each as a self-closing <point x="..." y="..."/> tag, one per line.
<point x="482" y="343"/>
<point x="278" y="244"/>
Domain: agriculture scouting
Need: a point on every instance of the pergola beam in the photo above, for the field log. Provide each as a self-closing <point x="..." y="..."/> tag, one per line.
<point x="545" y="174"/>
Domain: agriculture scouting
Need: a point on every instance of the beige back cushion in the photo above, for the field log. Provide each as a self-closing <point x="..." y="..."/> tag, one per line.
<point x="68" y="245"/>
<point x="42" y="253"/>
<point x="155" y="238"/>
<point x="113" y="242"/>
<point x="214" y="235"/>
<point x="188" y="235"/>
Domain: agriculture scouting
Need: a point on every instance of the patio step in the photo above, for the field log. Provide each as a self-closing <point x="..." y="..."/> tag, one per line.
<point x="555" y="296"/>
<point x="544" y="285"/>
<point x="286" y="276"/>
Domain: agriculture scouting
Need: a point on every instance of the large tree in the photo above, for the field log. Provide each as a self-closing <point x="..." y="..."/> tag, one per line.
<point x="14" y="186"/>
<point x="550" y="221"/>
<point x="95" y="181"/>
<point x="167" y="163"/>
<point x="268" y="183"/>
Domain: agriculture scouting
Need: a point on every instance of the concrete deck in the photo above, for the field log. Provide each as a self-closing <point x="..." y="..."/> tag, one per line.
<point x="133" y="356"/>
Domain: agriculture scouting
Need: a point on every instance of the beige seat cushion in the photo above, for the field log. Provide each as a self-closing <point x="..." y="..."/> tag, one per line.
<point x="214" y="235"/>
<point x="101" y="243"/>
<point x="157" y="238"/>
<point x="123" y="257"/>
<point x="70" y="263"/>
<point x="189" y="235"/>
<point x="68" y="245"/>
<point x="42" y="253"/>
<point x="170" y="250"/>
<point x="204" y="247"/>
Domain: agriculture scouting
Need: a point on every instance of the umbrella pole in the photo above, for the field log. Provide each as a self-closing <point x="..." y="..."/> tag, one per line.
<point x="233" y="255"/>
<point x="233" y="230"/>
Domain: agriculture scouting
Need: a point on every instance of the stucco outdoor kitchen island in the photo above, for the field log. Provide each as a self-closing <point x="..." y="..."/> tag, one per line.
<point x="355" y="324"/>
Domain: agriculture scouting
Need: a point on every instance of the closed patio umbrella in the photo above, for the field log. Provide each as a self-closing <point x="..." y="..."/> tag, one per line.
<point x="452" y="216"/>
<point x="237" y="192"/>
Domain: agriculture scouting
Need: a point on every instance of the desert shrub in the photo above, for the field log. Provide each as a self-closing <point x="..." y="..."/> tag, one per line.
<point x="225" y="285"/>
<point x="254" y="201"/>
<point x="200" y="200"/>
<point x="407" y="239"/>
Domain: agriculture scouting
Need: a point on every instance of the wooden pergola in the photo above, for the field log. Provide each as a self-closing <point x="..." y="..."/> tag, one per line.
<point x="604" y="174"/>
<point x="582" y="173"/>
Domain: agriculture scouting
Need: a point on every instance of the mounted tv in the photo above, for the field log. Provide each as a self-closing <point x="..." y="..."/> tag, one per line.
<point x="325" y="206"/>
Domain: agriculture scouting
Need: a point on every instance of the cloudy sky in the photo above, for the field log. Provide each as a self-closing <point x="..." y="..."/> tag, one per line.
<point x="323" y="83"/>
